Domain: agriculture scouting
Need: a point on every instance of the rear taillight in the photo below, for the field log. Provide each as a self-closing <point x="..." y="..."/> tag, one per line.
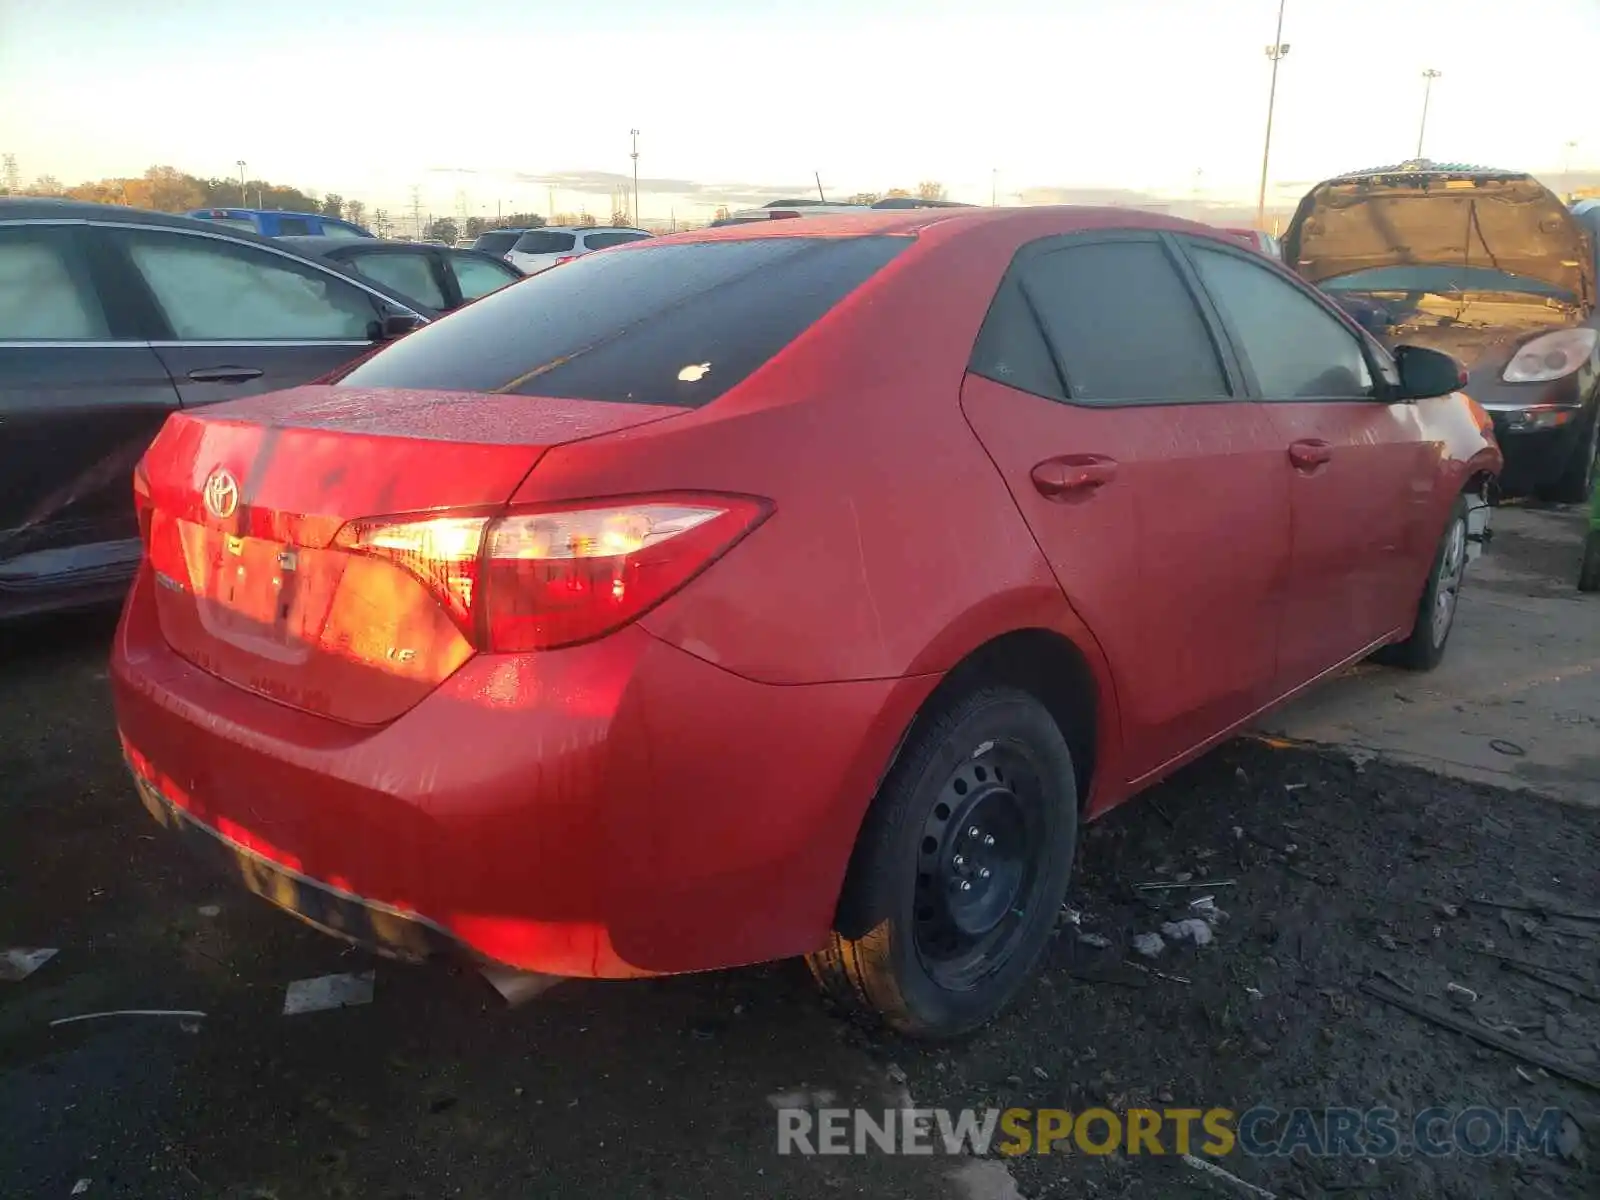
<point x="566" y="258"/>
<point x="538" y="579"/>
<point x="141" y="502"/>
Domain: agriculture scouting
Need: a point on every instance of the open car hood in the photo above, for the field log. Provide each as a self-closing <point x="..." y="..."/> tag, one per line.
<point x="1420" y="214"/>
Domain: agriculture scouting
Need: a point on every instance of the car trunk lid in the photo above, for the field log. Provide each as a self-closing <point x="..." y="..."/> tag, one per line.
<point x="1417" y="214"/>
<point x="242" y="503"/>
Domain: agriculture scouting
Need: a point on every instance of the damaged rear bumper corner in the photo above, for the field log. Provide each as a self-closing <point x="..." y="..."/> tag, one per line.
<point x="377" y="927"/>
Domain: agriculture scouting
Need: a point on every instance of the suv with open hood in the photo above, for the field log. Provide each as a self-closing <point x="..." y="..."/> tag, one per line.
<point x="1489" y="266"/>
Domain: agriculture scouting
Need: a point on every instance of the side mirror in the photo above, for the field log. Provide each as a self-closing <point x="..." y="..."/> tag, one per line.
<point x="1425" y="373"/>
<point x="395" y="325"/>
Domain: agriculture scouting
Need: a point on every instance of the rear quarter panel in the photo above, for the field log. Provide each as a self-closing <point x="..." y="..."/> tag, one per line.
<point x="894" y="548"/>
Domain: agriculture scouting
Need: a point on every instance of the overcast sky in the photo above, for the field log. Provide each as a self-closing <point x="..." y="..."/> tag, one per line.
<point x="745" y="98"/>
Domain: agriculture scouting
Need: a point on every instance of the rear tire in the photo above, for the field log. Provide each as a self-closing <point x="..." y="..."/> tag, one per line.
<point x="1436" y="612"/>
<point x="1589" y="572"/>
<point x="960" y="869"/>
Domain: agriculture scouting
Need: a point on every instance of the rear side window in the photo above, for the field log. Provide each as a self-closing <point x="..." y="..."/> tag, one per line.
<point x="294" y="227"/>
<point x="1120" y="321"/>
<point x="599" y="241"/>
<point x="495" y="243"/>
<point x="541" y="242"/>
<point x="410" y="274"/>
<point x="677" y="324"/>
<point x="479" y="276"/>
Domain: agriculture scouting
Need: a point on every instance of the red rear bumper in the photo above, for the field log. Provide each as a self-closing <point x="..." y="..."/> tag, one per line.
<point x="615" y="809"/>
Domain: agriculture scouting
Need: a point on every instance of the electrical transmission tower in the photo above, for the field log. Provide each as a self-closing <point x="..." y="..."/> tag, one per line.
<point x="10" y="174"/>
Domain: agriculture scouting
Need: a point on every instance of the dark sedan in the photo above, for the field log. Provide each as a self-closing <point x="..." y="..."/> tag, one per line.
<point x="1489" y="266"/>
<point x="436" y="278"/>
<point x="110" y="320"/>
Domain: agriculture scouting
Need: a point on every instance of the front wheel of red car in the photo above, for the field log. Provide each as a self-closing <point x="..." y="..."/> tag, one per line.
<point x="960" y="869"/>
<point x="1436" y="614"/>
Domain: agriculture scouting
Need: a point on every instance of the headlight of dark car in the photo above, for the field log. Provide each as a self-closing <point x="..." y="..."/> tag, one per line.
<point x="1551" y="355"/>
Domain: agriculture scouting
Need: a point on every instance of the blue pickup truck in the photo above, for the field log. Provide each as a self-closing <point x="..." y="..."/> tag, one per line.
<point x="270" y="222"/>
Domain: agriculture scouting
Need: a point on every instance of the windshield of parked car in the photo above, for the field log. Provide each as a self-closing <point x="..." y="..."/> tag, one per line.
<point x="674" y="324"/>
<point x="1443" y="281"/>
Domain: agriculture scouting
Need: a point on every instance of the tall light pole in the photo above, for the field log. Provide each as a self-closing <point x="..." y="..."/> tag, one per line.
<point x="994" y="185"/>
<point x="635" y="135"/>
<point x="1276" y="53"/>
<point x="244" y="196"/>
<point x="1428" y="77"/>
<point x="1566" y="167"/>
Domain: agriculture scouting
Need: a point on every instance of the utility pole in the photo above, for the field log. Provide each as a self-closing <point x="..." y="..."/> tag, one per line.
<point x="635" y="135"/>
<point x="244" y="196"/>
<point x="416" y="212"/>
<point x="1428" y="77"/>
<point x="550" y="195"/>
<point x="1566" y="168"/>
<point x="817" y="175"/>
<point x="1276" y="52"/>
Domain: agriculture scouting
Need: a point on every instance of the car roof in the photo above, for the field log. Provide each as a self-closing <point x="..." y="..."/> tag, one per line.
<point x="942" y="224"/>
<point x="34" y="208"/>
<point x="48" y="208"/>
<point x="1426" y="166"/>
<point x="321" y="244"/>
<point x="262" y="212"/>
<point x="584" y="229"/>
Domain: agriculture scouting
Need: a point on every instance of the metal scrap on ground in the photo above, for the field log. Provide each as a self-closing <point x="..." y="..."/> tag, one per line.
<point x="181" y="1013"/>
<point x="328" y="991"/>
<point x="1450" y="1020"/>
<point x="18" y="963"/>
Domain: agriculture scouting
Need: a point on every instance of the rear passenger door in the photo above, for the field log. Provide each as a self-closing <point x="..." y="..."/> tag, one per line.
<point x="1102" y="389"/>
<point x="81" y="397"/>
<point x="1357" y="464"/>
<point x="230" y="319"/>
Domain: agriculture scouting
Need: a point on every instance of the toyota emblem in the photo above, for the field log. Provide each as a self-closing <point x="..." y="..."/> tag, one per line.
<point x="221" y="494"/>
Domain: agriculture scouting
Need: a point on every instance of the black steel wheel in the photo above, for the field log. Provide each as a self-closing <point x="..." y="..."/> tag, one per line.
<point x="960" y="869"/>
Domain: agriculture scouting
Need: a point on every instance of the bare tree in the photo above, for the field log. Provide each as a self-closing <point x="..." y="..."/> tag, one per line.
<point x="932" y="190"/>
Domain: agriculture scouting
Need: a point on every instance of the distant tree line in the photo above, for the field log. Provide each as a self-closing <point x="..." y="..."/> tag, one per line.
<point x="927" y="190"/>
<point x="167" y="189"/>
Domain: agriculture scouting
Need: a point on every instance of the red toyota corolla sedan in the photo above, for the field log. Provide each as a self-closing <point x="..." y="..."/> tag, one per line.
<point x="787" y="589"/>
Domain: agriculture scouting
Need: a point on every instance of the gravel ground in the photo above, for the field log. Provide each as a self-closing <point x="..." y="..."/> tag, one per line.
<point x="662" y="1089"/>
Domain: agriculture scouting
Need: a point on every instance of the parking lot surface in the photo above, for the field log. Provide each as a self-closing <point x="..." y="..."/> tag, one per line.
<point x="1328" y="869"/>
<point x="1516" y="702"/>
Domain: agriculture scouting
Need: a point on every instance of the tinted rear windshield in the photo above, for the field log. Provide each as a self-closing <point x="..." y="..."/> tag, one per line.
<point x="495" y="243"/>
<point x="541" y="242"/>
<point x="677" y="324"/>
